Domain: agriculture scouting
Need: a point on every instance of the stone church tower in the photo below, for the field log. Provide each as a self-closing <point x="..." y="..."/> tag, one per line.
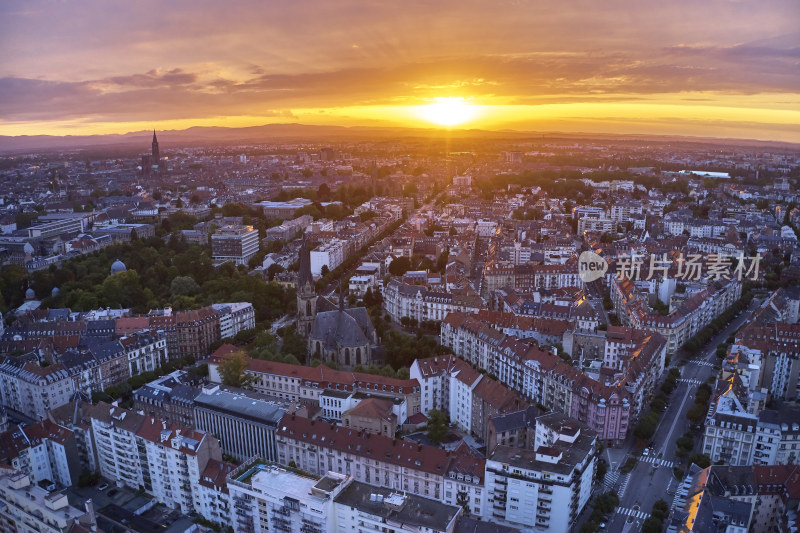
<point x="306" y="293"/>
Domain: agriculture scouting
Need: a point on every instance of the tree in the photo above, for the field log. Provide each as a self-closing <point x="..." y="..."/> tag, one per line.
<point x="324" y="271"/>
<point x="660" y="510"/>
<point x="462" y="499"/>
<point x="437" y="425"/>
<point x="602" y="468"/>
<point x="324" y="193"/>
<point x="647" y="426"/>
<point x="184" y="286"/>
<point x="652" y="525"/>
<point x="232" y="369"/>
<point x="696" y="413"/>
<point x="400" y="266"/>
<point x="700" y="459"/>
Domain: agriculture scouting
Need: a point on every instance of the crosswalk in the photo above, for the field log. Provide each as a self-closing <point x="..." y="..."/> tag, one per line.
<point x="611" y="479"/>
<point x="690" y="381"/>
<point x="631" y="512"/>
<point x="701" y="362"/>
<point x="656" y="461"/>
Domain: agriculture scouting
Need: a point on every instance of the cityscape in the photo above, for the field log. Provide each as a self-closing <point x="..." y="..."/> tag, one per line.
<point x="551" y="283"/>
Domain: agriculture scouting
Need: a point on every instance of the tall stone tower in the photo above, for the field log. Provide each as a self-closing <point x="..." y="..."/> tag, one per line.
<point x="156" y="157"/>
<point x="306" y="293"/>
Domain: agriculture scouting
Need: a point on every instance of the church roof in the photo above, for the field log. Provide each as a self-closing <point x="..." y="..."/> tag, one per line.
<point x="350" y="327"/>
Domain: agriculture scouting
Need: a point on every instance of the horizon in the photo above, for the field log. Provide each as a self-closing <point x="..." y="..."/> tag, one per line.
<point x="657" y="70"/>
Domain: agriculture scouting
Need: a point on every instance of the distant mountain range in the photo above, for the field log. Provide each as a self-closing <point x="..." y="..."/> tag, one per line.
<point x="299" y="132"/>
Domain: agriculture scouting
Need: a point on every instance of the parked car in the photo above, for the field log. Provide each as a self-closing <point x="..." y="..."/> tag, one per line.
<point x="103" y="486"/>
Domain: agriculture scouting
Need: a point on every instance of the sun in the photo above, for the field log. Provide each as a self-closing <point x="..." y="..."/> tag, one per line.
<point x="448" y="111"/>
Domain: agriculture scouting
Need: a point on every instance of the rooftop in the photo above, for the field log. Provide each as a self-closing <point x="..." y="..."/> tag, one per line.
<point x="407" y="509"/>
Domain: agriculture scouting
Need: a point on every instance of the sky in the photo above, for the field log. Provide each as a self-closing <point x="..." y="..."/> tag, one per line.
<point x="709" y="68"/>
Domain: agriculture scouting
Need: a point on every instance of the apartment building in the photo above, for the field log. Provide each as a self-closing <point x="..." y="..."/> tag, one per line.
<point x="471" y="398"/>
<point x="30" y="389"/>
<point x="212" y="497"/>
<point x="545" y="487"/>
<point x="170" y="398"/>
<point x="684" y="321"/>
<point x="144" y="351"/>
<point x="25" y="507"/>
<point x="235" y="317"/>
<point x="423" y="304"/>
<point x="45" y="451"/>
<point x="302" y="383"/>
<point x="269" y="498"/>
<point x="608" y="402"/>
<point x="756" y="499"/>
<point x="776" y="346"/>
<point x="318" y="447"/>
<point x="737" y="434"/>
<point x="142" y="452"/>
<point x="195" y="331"/>
<point x="363" y="507"/>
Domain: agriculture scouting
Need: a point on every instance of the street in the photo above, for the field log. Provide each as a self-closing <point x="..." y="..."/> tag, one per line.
<point x="652" y="479"/>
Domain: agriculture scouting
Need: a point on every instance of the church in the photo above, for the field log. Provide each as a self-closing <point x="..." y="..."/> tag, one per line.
<point x="345" y="336"/>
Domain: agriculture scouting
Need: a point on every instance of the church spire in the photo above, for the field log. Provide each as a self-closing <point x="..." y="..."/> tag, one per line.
<point x="305" y="265"/>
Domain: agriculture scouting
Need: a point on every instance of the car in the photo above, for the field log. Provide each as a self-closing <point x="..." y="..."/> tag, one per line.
<point x="602" y="525"/>
<point x="103" y="486"/>
<point x="646" y="451"/>
<point x="112" y="493"/>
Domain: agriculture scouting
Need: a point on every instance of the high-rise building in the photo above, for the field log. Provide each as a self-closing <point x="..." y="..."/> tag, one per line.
<point x="234" y="243"/>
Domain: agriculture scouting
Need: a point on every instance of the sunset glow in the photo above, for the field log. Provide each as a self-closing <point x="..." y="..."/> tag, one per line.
<point x="448" y="111"/>
<point x="628" y="68"/>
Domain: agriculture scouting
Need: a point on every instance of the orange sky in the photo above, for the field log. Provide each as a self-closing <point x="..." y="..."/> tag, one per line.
<point x="726" y="68"/>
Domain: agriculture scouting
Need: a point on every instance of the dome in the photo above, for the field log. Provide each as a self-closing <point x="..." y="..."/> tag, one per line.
<point x="118" y="266"/>
<point x="29" y="294"/>
<point x="55" y="291"/>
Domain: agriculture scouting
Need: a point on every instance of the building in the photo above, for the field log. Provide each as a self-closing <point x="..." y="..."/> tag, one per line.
<point x="212" y="497"/>
<point x="546" y="487"/>
<point x="344" y="336"/>
<point x="364" y="507"/>
<point x="30" y="389"/>
<point x="309" y="384"/>
<point x="234" y="317"/>
<point x="45" y="451"/>
<point x="170" y="398"/>
<point x="237" y="244"/>
<point x="373" y="415"/>
<point x="422" y="304"/>
<point x="244" y="423"/>
<point x="268" y="498"/>
<point x="194" y="332"/>
<point x="144" y="352"/>
<point x="318" y="447"/>
<point x="738" y="499"/>
<point x="684" y="320"/>
<point x="328" y="255"/>
<point x="142" y="452"/>
<point x="26" y="507"/>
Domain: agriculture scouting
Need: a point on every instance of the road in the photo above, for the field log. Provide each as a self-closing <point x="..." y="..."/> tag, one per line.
<point x="332" y="288"/>
<point x="652" y="479"/>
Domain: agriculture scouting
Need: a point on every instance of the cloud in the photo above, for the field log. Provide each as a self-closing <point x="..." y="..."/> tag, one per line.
<point x="156" y="60"/>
